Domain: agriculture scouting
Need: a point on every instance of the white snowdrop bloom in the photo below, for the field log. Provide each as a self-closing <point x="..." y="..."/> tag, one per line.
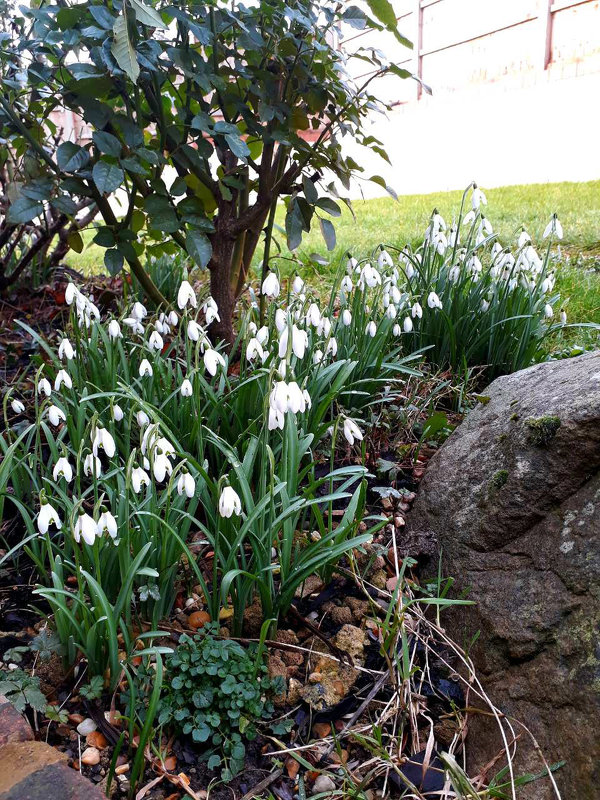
<point x="324" y="328"/>
<point x="62" y="376"/>
<point x="485" y="305"/>
<point x="229" y="502"/>
<point x="194" y="331"/>
<point x="262" y="335"/>
<point x="44" y="387"/>
<point x="107" y="524"/>
<point x="554" y="227"/>
<point x="496" y="250"/>
<point x="150" y="438"/>
<point x="533" y="260"/>
<point x="173" y="318"/>
<point x="396" y="295"/>
<point x="278" y="399"/>
<point x="563" y="317"/>
<point x="85" y="528"/>
<point x="270" y="286"/>
<point x="371" y="329"/>
<point x="440" y="243"/>
<point x="103" y="440"/>
<point x="346" y="317"/>
<point x="299" y="342"/>
<point x="391" y="311"/>
<point x="155" y="342"/>
<point x="186" y="388"/>
<point x="48" y="516"/>
<point x="397" y="330"/>
<point x="407" y="324"/>
<point x="346" y="284"/>
<point x="524" y="238"/>
<point x="139" y="478"/>
<point x="55" y="415"/>
<point x="478" y="197"/>
<point x="351" y="265"/>
<point x="135" y="325"/>
<point x="313" y="315"/>
<point x="65" y="350"/>
<point x="438" y="223"/>
<point x="186" y="484"/>
<point x="186" y="296"/>
<point x="114" y="329"/>
<point x="307" y="398"/>
<point x="474" y="265"/>
<point x="546" y="285"/>
<point x="92" y="466"/>
<point x="117" y="413"/>
<point x="254" y="349"/>
<point x="296" y="401"/>
<point x="251" y="329"/>
<point x="469" y="217"/>
<point x="332" y="347"/>
<point x="212" y="360"/>
<point x="280" y="320"/>
<point x="317" y="356"/>
<point x="164" y="447"/>
<point x="62" y="469"/>
<point x="139" y="311"/>
<point x="416" y="311"/>
<point x="160" y="327"/>
<point x="433" y="301"/>
<point x="71" y="293"/>
<point x="454" y="274"/>
<point x="548" y="311"/>
<point x="485" y="226"/>
<point x="282" y="369"/>
<point x="161" y="467"/>
<point x="211" y="311"/>
<point x="370" y="277"/>
<point x="276" y="419"/>
<point x="17" y="406"/>
<point x="352" y="432"/>
<point x="142" y="418"/>
<point x="145" y="369"/>
<point x="384" y="259"/>
<point x="453" y="236"/>
<point x="386" y="299"/>
<point x="298" y="285"/>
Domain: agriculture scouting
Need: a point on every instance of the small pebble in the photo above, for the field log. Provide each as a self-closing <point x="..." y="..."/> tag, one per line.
<point x="90" y="756"/>
<point x="323" y="784"/>
<point x="122" y="769"/>
<point x="86" y="727"/>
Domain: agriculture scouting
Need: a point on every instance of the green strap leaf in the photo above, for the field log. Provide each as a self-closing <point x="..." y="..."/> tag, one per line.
<point x="122" y="49"/>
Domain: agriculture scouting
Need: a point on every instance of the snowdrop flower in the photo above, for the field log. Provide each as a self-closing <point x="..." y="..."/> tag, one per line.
<point x="280" y="320"/>
<point x="62" y="469"/>
<point x="296" y="401"/>
<point x="65" y="350"/>
<point x="548" y="311"/>
<point x="159" y="327"/>
<point x="71" y="293"/>
<point x="173" y="318"/>
<point x="384" y="259"/>
<point x="454" y="274"/>
<point x="44" y="386"/>
<point x="48" y="516"/>
<point x="211" y="311"/>
<point x="278" y="399"/>
<point x="156" y="341"/>
<point x="454" y="236"/>
<point x="416" y="311"/>
<point x="313" y="315"/>
<point x="135" y="325"/>
<point x="332" y="347"/>
<point x="92" y="466"/>
<point x="351" y="265"/>
<point x="298" y="285"/>
<point x="107" y="524"/>
<point x="161" y="467"/>
<point x="324" y="327"/>
<point x="478" y="197"/>
<point x="229" y="502"/>
<point x="194" y="331"/>
<point x="469" y="217"/>
<point x="86" y="529"/>
<point x="103" y="439"/>
<point x="371" y="329"/>
<point x="262" y="335"/>
<point x="142" y="418"/>
<point x="317" y="356"/>
<point x="433" y="301"/>
<point x="554" y="227"/>
<point x="474" y="265"/>
<point x="352" y="432"/>
<point x="270" y="286"/>
<point x="282" y="369"/>
<point x="346" y="317"/>
<point x="62" y="376"/>
<point x="212" y="360"/>
<point x="187" y="484"/>
<point x="145" y="369"/>
<point x="397" y="330"/>
<point x="114" y="330"/>
<point x="254" y="349"/>
<point x="485" y="305"/>
<point x="407" y="325"/>
<point x="524" y="238"/>
<point x="563" y="317"/>
<point x="139" y="478"/>
<point x="186" y="295"/>
<point x="139" y="311"/>
<point x="186" y="388"/>
<point x="307" y="398"/>
<point x="299" y="342"/>
<point x="485" y="226"/>
<point x="55" y="415"/>
<point x="369" y="277"/>
<point x="276" y="419"/>
<point x="117" y="413"/>
<point x="17" y="406"/>
<point x="346" y="284"/>
<point x="391" y="311"/>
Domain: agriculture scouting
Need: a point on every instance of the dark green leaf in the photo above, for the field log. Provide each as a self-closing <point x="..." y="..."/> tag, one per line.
<point x="237" y="146"/>
<point x="107" y="177"/>
<point x="24" y="209"/>
<point x="107" y="143"/>
<point x="113" y="260"/>
<point x="71" y="157"/>
<point x="147" y="15"/>
<point x="198" y="247"/>
<point x="122" y="48"/>
<point x="330" y="206"/>
<point x="328" y="233"/>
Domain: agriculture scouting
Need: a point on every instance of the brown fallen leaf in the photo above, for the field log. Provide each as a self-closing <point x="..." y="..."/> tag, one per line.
<point x="292" y="766"/>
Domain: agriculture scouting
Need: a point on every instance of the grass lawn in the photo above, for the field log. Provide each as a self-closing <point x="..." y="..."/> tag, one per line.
<point x="386" y="221"/>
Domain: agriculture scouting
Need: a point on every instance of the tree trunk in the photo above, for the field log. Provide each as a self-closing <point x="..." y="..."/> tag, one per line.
<point x="220" y="289"/>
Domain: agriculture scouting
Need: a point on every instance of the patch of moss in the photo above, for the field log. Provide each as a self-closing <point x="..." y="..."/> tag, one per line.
<point x="501" y="437"/>
<point x="514" y="417"/>
<point x="498" y="480"/>
<point x="541" y="430"/>
<point x="483" y="399"/>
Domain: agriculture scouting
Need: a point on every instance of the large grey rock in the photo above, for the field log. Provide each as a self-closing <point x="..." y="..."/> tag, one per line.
<point x="513" y="500"/>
